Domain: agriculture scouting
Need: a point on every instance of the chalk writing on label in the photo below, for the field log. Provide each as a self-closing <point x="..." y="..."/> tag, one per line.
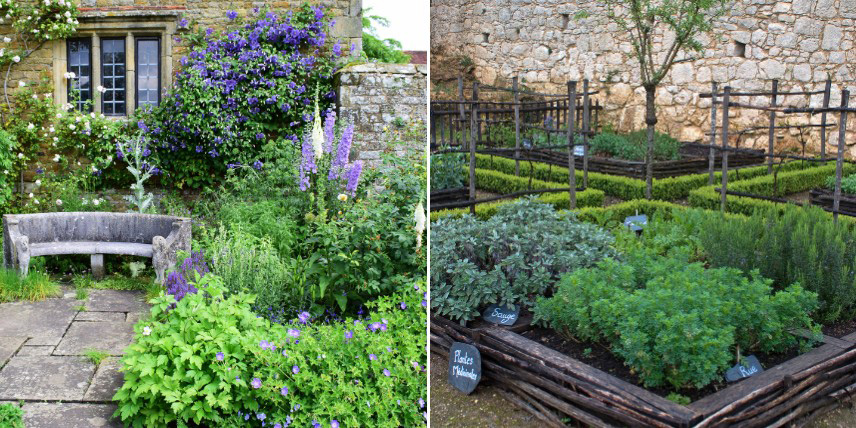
<point x="502" y="315"/>
<point x="464" y="367"/>
<point x="741" y="371"/>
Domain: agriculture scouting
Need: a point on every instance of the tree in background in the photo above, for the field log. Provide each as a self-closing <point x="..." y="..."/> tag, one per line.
<point x="648" y="21"/>
<point x="375" y="48"/>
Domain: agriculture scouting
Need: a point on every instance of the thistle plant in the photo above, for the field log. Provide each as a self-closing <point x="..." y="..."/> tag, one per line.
<point x="135" y="152"/>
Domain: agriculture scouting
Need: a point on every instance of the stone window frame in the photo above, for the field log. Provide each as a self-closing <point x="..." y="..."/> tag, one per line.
<point x="129" y="25"/>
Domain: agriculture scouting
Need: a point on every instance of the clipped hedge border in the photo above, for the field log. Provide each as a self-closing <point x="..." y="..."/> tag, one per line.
<point x="495" y="181"/>
<point x="786" y="183"/>
<point x="666" y="189"/>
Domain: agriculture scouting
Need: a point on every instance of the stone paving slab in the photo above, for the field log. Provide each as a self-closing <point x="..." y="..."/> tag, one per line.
<point x="100" y="316"/>
<point x="106" y="382"/>
<point x="135" y="317"/>
<point x="70" y="415"/>
<point x="116" y="301"/>
<point x="8" y="347"/>
<point x="45" y="378"/>
<point x="48" y="318"/>
<point x="44" y="341"/>
<point x="106" y="336"/>
<point x="30" y="351"/>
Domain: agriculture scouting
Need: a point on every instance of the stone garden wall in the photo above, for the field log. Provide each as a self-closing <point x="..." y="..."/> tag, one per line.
<point x="380" y="99"/>
<point x="800" y="42"/>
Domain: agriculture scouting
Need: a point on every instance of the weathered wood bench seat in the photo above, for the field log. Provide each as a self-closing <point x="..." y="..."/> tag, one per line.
<point x="94" y="233"/>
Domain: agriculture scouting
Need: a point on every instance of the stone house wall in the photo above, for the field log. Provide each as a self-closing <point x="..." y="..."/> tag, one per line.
<point x="800" y="42"/>
<point x="114" y="15"/>
<point x="375" y="96"/>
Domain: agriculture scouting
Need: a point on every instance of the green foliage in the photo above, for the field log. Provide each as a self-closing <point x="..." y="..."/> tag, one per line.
<point x="8" y="153"/>
<point x="784" y="183"/>
<point x="135" y="153"/>
<point x="35" y="286"/>
<point x="798" y="245"/>
<point x="196" y="364"/>
<point x="447" y="171"/>
<point x="674" y="322"/>
<point x="633" y="146"/>
<point x="11" y="415"/>
<point x="377" y="49"/>
<point x="95" y="356"/>
<point x="559" y="201"/>
<point x="667" y="189"/>
<point x="848" y="184"/>
<point x="511" y="257"/>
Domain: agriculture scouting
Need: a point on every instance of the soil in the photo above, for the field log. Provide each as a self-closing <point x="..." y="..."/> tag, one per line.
<point x="801" y="197"/>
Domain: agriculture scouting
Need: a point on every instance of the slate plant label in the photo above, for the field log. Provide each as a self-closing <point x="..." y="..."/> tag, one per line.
<point x="636" y="222"/>
<point x="740" y="371"/>
<point x="502" y="315"/>
<point x="579" y="151"/>
<point x="464" y="367"/>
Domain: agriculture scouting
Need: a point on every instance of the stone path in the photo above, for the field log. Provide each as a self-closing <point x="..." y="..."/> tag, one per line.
<point x="42" y="356"/>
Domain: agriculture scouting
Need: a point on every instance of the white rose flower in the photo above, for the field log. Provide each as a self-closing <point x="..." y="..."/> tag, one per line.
<point x="59" y="202"/>
<point x="56" y="139"/>
<point x="59" y="115"/>
<point x="36" y="201"/>
<point x="35" y="31"/>
<point x="96" y="202"/>
<point x="6" y="40"/>
<point x="30" y="126"/>
<point x="101" y="89"/>
<point x="16" y="59"/>
<point x="47" y="2"/>
<point x="92" y="115"/>
<point x="77" y="119"/>
<point x="52" y="130"/>
<point x="56" y="158"/>
<point x="67" y="14"/>
<point x="71" y="126"/>
<point x="69" y="20"/>
<point x="21" y="83"/>
<point x="101" y="115"/>
<point x="6" y="171"/>
<point x="38" y="183"/>
<point x="2" y="51"/>
<point x="20" y="155"/>
<point x="31" y="195"/>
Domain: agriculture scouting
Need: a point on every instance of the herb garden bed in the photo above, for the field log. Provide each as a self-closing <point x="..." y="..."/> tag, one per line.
<point x="824" y="198"/>
<point x="553" y="385"/>
<point x="694" y="160"/>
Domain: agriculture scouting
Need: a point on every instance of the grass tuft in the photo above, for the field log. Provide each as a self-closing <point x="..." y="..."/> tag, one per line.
<point x="36" y="286"/>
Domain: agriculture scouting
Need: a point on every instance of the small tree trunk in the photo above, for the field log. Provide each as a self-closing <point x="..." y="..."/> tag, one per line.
<point x="651" y="121"/>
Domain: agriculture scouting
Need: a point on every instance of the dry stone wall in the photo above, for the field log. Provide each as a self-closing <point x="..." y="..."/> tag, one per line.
<point x="380" y="99"/>
<point x="800" y="42"/>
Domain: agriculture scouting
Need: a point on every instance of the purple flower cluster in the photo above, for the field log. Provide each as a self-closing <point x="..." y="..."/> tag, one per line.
<point x="180" y="282"/>
<point x="329" y="131"/>
<point x="307" y="163"/>
<point x="343" y="152"/>
<point x="353" y="177"/>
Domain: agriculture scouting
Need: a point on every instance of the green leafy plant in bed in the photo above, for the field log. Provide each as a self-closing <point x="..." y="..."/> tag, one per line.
<point x="210" y="360"/>
<point x="509" y="258"/>
<point x="795" y="245"/>
<point x="674" y="322"/>
<point x="848" y="184"/>
<point x="35" y="286"/>
<point x="632" y="146"/>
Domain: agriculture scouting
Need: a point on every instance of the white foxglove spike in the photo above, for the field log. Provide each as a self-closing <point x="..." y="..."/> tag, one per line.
<point x="317" y="133"/>
<point x="419" y="216"/>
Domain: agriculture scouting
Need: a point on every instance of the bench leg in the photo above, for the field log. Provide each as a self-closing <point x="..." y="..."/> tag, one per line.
<point x="97" y="262"/>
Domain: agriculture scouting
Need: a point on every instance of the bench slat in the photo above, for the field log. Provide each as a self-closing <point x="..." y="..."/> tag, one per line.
<point x="90" y="247"/>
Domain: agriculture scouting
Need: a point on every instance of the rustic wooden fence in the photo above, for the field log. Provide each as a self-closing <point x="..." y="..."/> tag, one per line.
<point x="725" y="101"/>
<point x="468" y="126"/>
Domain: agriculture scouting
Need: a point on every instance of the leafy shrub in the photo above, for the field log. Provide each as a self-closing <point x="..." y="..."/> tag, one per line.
<point x="211" y="361"/>
<point x="268" y="218"/>
<point x="848" y="184"/>
<point x="516" y="254"/>
<point x="247" y="263"/>
<point x="11" y="416"/>
<point x="634" y="146"/>
<point x="8" y="152"/>
<point x="675" y="322"/>
<point x="239" y="88"/>
<point x="799" y="245"/>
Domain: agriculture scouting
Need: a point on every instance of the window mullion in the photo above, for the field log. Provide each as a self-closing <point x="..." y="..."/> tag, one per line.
<point x="96" y="72"/>
<point x="131" y="69"/>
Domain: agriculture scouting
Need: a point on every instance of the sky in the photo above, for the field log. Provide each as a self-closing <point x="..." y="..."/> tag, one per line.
<point x="408" y="21"/>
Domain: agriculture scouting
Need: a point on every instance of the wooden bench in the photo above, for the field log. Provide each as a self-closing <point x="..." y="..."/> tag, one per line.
<point x="95" y="233"/>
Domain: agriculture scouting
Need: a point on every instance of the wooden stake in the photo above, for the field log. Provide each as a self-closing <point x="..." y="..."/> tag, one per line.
<point x="474" y="110"/>
<point x="572" y="171"/>
<point x="771" y="137"/>
<point x="516" y="127"/>
<point x="711" y="162"/>
<point x="842" y="137"/>
<point x="586" y="126"/>
<point x="826" y="93"/>
<point x="724" y="189"/>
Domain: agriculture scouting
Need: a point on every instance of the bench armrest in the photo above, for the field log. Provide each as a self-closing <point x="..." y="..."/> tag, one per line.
<point x="165" y="250"/>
